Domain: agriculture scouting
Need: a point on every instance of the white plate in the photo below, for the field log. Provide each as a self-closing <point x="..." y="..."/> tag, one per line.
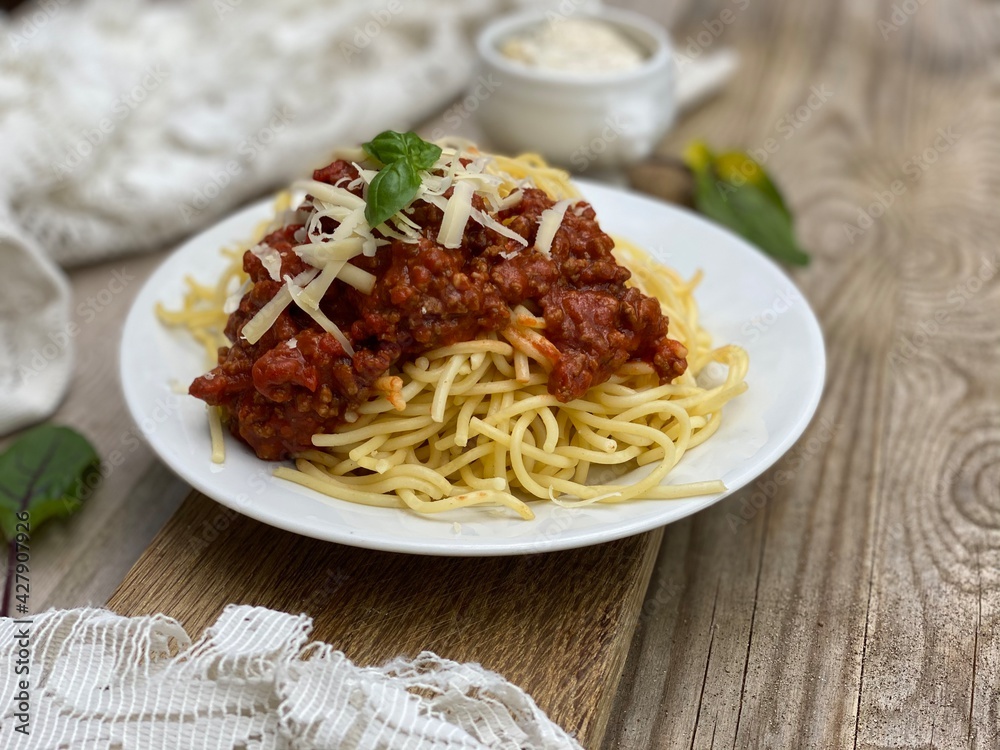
<point x="745" y="299"/>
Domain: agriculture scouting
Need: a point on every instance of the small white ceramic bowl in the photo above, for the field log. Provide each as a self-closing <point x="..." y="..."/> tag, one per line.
<point x="582" y="121"/>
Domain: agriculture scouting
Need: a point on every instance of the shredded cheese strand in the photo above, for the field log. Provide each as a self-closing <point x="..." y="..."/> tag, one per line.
<point x="297" y="293"/>
<point x="336" y="195"/>
<point x="456" y="215"/>
<point x="548" y="224"/>
<point x="261" y="323"/>
<point x="462" y="168"/>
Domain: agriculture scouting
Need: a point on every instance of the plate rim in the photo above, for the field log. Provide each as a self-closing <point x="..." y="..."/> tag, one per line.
<point x="484" y="547"/>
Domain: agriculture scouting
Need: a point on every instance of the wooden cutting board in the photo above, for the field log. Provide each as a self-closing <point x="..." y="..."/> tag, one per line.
<point x="557" y="624"/>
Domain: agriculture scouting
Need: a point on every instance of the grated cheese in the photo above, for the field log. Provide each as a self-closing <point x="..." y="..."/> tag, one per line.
<point x="393" y="234"/>
<point x="313" y="293"/>
<point x="409" y="229"/>
<point x="490" y="223"/>
<point x="296" y="292"/>
<point x="319" y="253"/>
<point x="548" y="224"/>
<point x="456" y="215"/>
<point x="261" y="323"/>
<point x="462" y="169"/>
<point x="365" y="175"/>
<point x="330" y="194"/>
<point x="270" y="259"/>
<point x="353" y="224"/>
<point x="359" y="278"/>
<point x="232" y="303"/>
<point x="513" y="199"/>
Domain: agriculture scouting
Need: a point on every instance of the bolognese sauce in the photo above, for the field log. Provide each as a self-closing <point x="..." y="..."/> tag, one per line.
<point x="297" y="379"/>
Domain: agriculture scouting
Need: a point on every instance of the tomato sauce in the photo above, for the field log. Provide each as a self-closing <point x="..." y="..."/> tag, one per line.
<point x="297" y="380"/>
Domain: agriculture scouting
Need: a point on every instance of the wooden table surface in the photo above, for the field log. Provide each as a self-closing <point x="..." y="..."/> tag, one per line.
<point x="851" y="596"/>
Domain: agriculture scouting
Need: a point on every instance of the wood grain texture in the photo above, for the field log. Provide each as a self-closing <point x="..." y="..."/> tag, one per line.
<point x="850" y="598"/>
<point x="559" y="625"/>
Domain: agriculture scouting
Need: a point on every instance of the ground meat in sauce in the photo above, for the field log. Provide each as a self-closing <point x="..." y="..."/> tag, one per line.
<point x="297" y="380"/>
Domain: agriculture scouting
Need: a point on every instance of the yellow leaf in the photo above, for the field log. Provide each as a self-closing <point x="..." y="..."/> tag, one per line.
<point x="698" y="156"/>
<point x="737" y="168"/>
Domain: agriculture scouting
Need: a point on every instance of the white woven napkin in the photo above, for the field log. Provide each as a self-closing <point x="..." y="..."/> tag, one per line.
<point x="99" y="680"/>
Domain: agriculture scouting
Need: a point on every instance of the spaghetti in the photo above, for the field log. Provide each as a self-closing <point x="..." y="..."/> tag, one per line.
<point x="475" y="422"/>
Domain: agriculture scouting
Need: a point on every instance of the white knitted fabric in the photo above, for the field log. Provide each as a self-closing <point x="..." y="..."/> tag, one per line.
<point x="100" y="681"/>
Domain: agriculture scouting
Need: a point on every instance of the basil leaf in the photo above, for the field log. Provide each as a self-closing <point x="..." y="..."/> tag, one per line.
<point x="737" y="168"/>
<point x="387" y="147"/>
<point x="750" y="212"/>
<point x="44" y="473"/>
<point x="710" y="201"/>
<point x="766" y="225"/>
<point x="423" y="155"/>
<point x="774" y="195"/>
<point x="734" y="190"/>
<point x="392" y="190"/>
<point x="390" y="147"/>
<point x="404" y="156"/>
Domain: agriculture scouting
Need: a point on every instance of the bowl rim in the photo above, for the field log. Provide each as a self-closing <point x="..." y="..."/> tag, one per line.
<point x="659" y="58"/>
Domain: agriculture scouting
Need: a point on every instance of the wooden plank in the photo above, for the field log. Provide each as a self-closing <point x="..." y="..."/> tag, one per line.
<point x="558" y="624"/>
<point x="930" y="668"/>
<point x="857" y="606"/>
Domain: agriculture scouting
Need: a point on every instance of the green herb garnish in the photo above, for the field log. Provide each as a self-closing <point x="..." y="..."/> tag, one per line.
<point x="404" y="156"/>
<point x="44" y="474"/>
<point x="735" y="191"/>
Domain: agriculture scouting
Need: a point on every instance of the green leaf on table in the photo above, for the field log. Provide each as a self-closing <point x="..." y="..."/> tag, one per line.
<point x="404" y="156"/>
<point x="736" y="168"/>
<point x="735" y="191"/>
<point x="44" y="472"/>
